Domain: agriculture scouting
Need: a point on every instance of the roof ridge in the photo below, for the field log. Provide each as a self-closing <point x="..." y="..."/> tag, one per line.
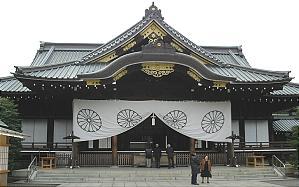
<point x="293" y="84"/>
<point x="43" y="67"/>
<point x="151" y="14"/>
<point x="7" y="78"/>
<point x="42" y="43"/>
<point x="284" y="73"/>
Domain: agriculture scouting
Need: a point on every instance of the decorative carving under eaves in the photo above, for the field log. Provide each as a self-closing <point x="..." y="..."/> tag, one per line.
<point x="194" y="75"/>
<point x="93" y="82"/>
<point x="120" y="75"/>
<point x="108" y="57"/>
<point x="219" y="84"/>
<point x="157" y="69"/>
<point x="129" y="46"/>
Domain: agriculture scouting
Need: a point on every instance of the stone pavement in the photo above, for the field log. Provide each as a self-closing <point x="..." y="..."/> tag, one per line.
<point x="290" y="182"/>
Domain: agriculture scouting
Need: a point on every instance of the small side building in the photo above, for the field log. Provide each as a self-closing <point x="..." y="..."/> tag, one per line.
<point x="5" y="135"/>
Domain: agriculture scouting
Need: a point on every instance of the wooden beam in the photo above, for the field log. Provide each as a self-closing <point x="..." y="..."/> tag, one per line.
<point x="114" y="150"/>
<point x="3" y="141"/>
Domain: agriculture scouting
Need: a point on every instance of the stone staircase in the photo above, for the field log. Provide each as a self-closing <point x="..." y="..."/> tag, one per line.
<point x="128" y="174"/>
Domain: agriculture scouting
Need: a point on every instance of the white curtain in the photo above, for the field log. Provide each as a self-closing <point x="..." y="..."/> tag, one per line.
<point x="97" y="119"/>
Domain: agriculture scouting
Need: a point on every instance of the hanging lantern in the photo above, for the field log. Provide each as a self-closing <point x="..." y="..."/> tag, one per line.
<point x="153" y="119"/>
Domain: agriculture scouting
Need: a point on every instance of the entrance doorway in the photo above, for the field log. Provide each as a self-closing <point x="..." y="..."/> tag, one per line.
<point x="136" y="138"/>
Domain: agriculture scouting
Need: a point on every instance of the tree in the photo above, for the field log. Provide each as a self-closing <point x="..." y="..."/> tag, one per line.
<point x="295" y="143"/>
<point x="10" y="116"/>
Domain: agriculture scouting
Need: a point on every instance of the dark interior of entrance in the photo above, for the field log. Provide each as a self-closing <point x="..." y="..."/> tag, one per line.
<point x="136" y="138"/>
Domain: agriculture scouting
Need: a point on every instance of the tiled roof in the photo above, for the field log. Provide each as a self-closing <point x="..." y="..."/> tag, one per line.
<point x="288" y="89"/>
<point x="151" y="14"/>
<point x="71" y="70"/>
<point x="66" y="71"/>
<point x="67" y="52"/>
<point x="285" y="125"/>
<point x="12" y="133"/>
<point x="246" y="75"/>
<point x="55" y="53"/>
<point x="11" y="84"/>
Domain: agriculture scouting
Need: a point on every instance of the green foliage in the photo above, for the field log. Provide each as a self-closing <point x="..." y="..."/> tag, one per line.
<point x="295" y="143"/>
<point x="10" y="116"/>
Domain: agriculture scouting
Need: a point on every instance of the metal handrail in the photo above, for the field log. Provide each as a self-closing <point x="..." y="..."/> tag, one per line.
<point x="279" y="165"/>
<point x="31" y="168"/>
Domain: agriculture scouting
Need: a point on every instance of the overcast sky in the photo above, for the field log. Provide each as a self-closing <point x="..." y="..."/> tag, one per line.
<point x="268" y="30"/>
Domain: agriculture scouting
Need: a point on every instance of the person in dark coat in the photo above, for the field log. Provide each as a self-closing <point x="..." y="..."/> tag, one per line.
<point x="157" y="155"/>
<point x="205" y="169"/>
<point x="170" y="155"/>
<point x="148" y="157"/>
<point x="194" y="168"/>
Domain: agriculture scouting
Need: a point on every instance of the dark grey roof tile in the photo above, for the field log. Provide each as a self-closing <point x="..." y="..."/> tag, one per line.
<point x="285" y="125"/>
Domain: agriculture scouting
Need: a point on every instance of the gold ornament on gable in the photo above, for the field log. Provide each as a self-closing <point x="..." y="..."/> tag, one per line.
<point x="153" y="32"/>
<point x="120" y="75"/>
<point x="219" y="84"/>
<point x="93" y="82"/>
<point x="157" y="69"/>
<point x="194" y="75"/>
<point x="108" y="57"/>
<point x="129" y="46"/>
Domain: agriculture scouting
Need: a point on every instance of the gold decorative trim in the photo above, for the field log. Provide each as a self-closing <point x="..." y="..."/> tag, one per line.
<point x="219" y="84"/>
<point x="153" y="31"/>
<point x="157" y="69"/>
<point x="129" y="46"/>
<point x="120" y="75"/>
<point x="177" y="46"/>
<point x="108" y="57"/>
<point x="194" y="75"/>
<point x="93" y="82"/>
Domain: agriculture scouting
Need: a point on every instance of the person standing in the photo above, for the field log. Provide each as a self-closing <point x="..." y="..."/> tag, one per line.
<point x="157" y="155"/>
<point x="194" y="168"/>
<point x="205" y="169"/>
<point x="148" y="156"/>
<point x="170" y="155"/>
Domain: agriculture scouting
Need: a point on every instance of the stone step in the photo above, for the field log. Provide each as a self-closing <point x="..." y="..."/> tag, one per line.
<point x="153" y="178"/>
<point x="105" y="175"/>
<point x="143" y="180"/>
<point x="129" y="174"/>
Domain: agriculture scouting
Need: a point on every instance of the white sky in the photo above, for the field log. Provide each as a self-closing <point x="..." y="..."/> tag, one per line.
<point x="268" y="30"/>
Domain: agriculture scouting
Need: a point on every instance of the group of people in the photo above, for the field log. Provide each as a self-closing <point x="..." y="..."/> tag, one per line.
<point x="202" y="166"/>
<point x="157" y="152"/>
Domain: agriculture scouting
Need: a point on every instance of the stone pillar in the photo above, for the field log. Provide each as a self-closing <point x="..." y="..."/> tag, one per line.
<point x="192" y="145"/>
<point x="114" y="151"/>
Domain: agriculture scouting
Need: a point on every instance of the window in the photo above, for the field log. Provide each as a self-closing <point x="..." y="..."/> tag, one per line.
<point x="105" y="143"/>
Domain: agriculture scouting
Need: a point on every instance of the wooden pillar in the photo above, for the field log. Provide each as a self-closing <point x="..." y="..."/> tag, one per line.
<point x="242" y="131"/>
<point x="4" y="152"/>
<point x="114" y="150"/>
<point x="75" y="153"/>
<point x="192" y="145"/>
<point x="270" y="129"/>
<point x="50" y="133"/>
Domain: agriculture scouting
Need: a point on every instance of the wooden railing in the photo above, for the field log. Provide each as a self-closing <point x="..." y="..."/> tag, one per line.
<point x="183" y="159"/>
<point x="217" y="146"/>
<point x="125" y="159"/>
<point x="95" y="159"/>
